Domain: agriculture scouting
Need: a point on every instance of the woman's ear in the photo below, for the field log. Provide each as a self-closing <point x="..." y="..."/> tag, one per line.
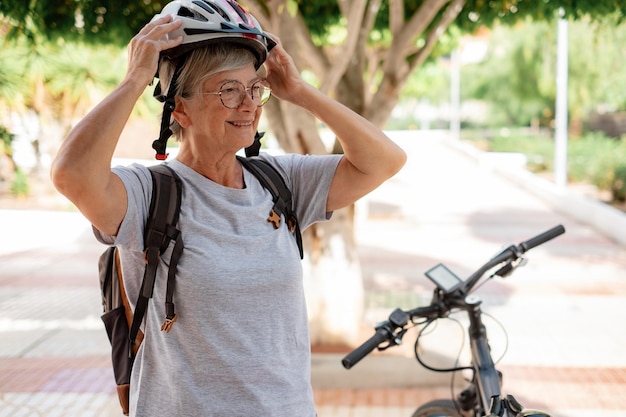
<point x="180" y="113"/>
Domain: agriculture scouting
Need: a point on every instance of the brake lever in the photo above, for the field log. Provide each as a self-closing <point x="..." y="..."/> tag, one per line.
<point x="395" y="341"/>
<point x="395" y="325"/>
<point x="509" y="267"/>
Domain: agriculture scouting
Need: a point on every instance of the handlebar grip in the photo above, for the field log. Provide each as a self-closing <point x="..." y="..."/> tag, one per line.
<point x="542" y="238"/>
<point x="352" y="358"/>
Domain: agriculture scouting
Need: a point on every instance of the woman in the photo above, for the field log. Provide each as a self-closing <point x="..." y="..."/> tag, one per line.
<point x="240" y="346"/>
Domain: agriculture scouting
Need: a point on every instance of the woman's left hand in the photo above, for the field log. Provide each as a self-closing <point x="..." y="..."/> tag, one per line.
<point x="282" y="73"/>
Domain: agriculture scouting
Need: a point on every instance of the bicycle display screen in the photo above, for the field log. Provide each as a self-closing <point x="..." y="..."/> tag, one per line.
<point x="445" y="279"/>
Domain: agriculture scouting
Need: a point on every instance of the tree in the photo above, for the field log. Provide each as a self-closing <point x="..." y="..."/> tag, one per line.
<point x="360" y="51"/>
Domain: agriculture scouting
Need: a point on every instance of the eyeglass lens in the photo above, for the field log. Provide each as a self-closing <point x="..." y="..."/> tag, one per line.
<point x="233" y="93"/>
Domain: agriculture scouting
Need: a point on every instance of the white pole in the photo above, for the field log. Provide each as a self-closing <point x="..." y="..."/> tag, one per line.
<point x="560" y="133"/>
<point x="455" y="94"/>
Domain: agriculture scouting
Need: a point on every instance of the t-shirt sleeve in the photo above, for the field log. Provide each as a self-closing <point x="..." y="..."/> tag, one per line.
<point x="309" y="178"/>
<point x="138" y="184"/>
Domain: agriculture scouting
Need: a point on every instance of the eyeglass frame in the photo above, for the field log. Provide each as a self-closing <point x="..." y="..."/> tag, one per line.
<point x="247" y="90"/>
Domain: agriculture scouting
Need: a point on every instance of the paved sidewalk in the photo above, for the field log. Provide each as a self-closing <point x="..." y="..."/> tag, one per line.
<point x="564" y="312"/>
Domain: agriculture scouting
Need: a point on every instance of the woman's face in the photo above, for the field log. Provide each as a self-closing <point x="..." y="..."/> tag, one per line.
<point x="213" y="124"/>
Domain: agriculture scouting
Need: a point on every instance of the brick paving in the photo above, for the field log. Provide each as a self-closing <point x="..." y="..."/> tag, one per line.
<point x="563" y="312"/>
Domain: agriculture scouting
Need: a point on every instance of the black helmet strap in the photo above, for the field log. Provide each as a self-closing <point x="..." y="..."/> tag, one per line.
<point x="169" y="104"/>
<point x="255" y="148"/>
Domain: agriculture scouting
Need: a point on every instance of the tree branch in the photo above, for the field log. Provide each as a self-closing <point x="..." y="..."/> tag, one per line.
<point x="449" y="16"/>
<point x="403" y="39"/>
<point x="396" y="15"/>
<point x="371" y="59"/>
<point x="356" y="11"/>
<point x="270" y="15"/>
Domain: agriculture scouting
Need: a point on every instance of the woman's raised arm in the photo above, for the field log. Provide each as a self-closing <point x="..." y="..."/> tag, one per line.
<point x="370" y="157"/>
<point x="82" y="168"/>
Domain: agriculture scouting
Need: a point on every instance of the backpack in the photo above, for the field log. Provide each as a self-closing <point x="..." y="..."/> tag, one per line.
<point x="121" y="323"/>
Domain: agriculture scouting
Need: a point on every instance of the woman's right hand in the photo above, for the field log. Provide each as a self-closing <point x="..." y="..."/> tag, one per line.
<point x="145" y="47"/>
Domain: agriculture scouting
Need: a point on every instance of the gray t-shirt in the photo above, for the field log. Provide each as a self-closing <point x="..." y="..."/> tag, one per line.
<point x="240" y="346"/>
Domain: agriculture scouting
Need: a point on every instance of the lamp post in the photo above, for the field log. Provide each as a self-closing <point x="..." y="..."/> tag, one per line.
<point x="455" y="94"/>
<point x="560" y="131"/>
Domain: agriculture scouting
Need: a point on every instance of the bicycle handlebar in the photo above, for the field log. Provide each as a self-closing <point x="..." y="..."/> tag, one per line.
<point x="541" y="238"/>
<point x="382" y="335"/>
<point x="385" y="332"/>
<point x="511" y="254"/>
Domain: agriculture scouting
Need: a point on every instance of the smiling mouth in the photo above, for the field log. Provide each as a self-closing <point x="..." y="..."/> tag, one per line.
<point x="241" y="124"/>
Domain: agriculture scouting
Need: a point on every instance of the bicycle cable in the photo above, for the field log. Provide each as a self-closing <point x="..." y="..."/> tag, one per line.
<point x="456" y="361"/>
<point x="483" y="283"/>
<point x="506" y="336"/>
<point x="425" y="365"/>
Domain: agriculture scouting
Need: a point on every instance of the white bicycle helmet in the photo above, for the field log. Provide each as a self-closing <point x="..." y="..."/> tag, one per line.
<point x="208" y="21"/>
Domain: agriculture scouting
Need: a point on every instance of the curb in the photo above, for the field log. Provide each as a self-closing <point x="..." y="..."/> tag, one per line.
<point x="605" y="219"/>
<point x="386" y="371"/>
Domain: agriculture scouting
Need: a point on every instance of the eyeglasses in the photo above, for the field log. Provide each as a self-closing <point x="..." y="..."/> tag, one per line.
<point x="232" y="93"/>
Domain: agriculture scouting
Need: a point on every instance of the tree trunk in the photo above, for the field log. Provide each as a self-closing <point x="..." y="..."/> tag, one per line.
<point x="332" y="274"/>
<point x="333" y="282"/>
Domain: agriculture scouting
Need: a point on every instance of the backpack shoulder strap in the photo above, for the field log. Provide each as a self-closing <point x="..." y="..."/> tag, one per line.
<point x="160" y="230"/>
<point x="271" y="180"/>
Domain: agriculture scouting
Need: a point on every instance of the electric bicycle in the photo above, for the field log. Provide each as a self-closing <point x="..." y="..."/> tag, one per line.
<point x="483" y="396"/>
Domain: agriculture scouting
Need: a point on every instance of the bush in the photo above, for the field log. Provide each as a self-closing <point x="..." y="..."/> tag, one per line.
<point x="619" y="183"/>
<point x="596" y="159"/>
<point x="20" y="186"/>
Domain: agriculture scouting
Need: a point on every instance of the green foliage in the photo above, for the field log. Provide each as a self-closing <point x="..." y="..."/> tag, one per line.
<point x="6" y="141"/>
<point x="538" y="148"/>
<point x="478" y="13"/>
<point x="71" y="74"/>
<point x="619" y="184"/>
<point x="63" y="22"/>
<point x="320" y="15"/>
<point x="112" y="21"/>
<point x="12" y="80"/>
<point x="20" y="186"/>
<point x="596" y="67"/>
<point x="431" y="81"/>
<point x="95" y="21"/>
<point x="595" y="159"/>
<point x="80" y="73"/>
<point x="518" y="77"/>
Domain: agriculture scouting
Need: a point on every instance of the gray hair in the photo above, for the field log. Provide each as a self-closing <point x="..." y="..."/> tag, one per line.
<point x="200" y="65"/>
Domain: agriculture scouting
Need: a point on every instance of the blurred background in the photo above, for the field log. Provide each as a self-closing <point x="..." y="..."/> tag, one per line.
<point x="513" y="114"/>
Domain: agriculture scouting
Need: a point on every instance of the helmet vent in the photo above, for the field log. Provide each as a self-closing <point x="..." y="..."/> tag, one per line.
<point x="185" y="12"/>
<point x="219" y="11"/>
<point x="203" y="5"/>
<point x="239" y="11"/>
